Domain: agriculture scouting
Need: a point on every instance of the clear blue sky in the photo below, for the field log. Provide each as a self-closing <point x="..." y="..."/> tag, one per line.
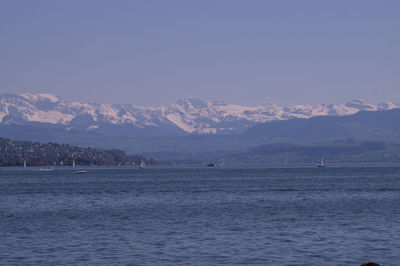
<point x="247" y="52"/>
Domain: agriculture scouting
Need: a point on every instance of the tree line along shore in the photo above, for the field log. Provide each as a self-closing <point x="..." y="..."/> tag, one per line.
<point x="16" y="153"/>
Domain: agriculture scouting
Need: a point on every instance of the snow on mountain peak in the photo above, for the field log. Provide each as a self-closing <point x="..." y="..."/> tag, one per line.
<point x="191" y="102"/>
<point x="358" y="101"/>
<point x="40" y="97"/>
<point x="188" y="114"/>
<point x="387" y="106"/>
<point x="361" y="104"/>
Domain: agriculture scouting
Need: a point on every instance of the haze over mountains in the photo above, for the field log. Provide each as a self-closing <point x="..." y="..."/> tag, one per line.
<point x="187" y="115"/>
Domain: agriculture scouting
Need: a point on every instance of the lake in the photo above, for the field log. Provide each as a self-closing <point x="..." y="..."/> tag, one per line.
<point x="293" y="215"/>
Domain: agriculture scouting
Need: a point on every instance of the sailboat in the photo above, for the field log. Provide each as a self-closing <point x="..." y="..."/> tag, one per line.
<point x="322" y="163"/>
<point x="24" y="163"/>
<point x="73" y="162"/>
<point x="142" y="165"/>
<point x="221" y="164"/>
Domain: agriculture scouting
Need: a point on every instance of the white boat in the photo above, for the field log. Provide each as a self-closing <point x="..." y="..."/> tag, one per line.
<point x="80" y="172"/>
<point x="24" y="163"/>
<point x="73" y="162"/>
<point x="142" y="165"/>
<point x="322" y="163"/>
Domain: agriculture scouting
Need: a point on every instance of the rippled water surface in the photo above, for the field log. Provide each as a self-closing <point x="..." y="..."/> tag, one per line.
<point x="201" y="216"/>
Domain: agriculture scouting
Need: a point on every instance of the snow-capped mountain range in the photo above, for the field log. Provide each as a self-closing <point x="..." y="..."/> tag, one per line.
<point x="188" y="115"/>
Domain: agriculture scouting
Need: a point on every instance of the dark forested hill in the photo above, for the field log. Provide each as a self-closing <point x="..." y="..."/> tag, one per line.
<point x="14" y="153"/>
<point x="346" y="151"/>
<point x="377" y="126"/>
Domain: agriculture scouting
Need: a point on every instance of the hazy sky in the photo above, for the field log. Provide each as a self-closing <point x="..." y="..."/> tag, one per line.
<point x="246" y="52"/>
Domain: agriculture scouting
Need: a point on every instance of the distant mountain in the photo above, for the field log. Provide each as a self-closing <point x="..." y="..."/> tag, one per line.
<point x="367" y="136"/>
<point x="364" y="125"/>
<point x="187" y="116"/>
<point x="381" y="126"/>
<point x="257" y="143"/>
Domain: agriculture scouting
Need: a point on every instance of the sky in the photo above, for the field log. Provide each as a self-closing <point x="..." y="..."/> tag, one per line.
<point x="245" y="52"/>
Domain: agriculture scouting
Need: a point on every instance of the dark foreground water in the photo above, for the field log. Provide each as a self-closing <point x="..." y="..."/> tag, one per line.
<point x="201" y="216"/>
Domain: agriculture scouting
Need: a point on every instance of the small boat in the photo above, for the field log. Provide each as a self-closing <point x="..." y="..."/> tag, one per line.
<point x="221" y="164"/>
<point x="24" y="163"/>
<point x="80" y="172"/>
<point x="142" y="165"/>
<point x="211" y="164"/>
<point x="322" y="163"/>
<point x="73" y="163"/>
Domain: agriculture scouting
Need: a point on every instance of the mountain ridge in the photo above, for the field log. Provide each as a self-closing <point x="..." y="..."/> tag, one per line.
<point x="364" y="126"/>
<point x="187" y="116"/>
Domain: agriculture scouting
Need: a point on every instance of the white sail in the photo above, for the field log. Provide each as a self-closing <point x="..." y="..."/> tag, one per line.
<point x="24" y="163"/>
<point x="73" y="162"/>
<point x="322" y="163"/>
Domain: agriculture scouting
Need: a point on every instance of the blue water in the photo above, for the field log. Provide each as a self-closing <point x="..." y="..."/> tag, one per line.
<point x="201" y="216"/>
